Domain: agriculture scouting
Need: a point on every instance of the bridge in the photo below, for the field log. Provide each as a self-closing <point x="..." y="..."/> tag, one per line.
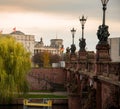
<point x="93" y="80"/>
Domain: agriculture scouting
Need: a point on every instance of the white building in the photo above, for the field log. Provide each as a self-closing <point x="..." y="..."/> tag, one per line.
<point x="26" y="40"/>
<point x="33" y="46"/>
<point x="115" y="48"/>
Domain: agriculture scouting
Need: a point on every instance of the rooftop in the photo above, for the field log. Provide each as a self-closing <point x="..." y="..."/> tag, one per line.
<point x="17" y="33"/>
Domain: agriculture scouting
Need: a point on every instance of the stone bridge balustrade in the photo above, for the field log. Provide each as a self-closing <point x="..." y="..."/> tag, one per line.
<point x="109" y="69"/>
<point x="84" y="65"/>
<point x="72" y="77"/>
<point x="102" y="53"/>
<point x="107" y="75"/>
<point x="102" y="68"/>
<point x="114" y="71"/>
<point x="90" y="77"/>
<point x="90" y="65"/>
<point x="79" y="71"/>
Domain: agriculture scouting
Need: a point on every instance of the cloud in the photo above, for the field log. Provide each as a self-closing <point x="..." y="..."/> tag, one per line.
<point x="60" y="6"/>
<point x="88" y="7"/>
<point x="45" y="18"/>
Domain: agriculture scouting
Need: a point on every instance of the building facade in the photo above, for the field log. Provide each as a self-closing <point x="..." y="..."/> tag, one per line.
<point x="54" y="48"/>
<point x="114" y="48"/>
<point x="34" y="47"/>
<point x="56" y="43"/>
<point x="26" y="40"/>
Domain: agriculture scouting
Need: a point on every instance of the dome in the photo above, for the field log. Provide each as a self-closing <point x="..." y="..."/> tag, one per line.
<point x="17" y="33"/>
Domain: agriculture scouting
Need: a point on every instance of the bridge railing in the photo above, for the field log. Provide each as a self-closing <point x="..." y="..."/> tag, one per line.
<point x="109" y="69"/>
<point x="114" y="70"/>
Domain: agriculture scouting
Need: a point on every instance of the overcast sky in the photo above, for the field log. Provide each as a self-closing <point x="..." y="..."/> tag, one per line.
<point x="51" y="19"/>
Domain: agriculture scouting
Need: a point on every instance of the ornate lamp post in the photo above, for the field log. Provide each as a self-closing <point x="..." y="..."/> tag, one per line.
<point x="104" y="3"/>
<point x="82" y="43"/>
<point x="103" y="47"/>
<point x="83" y="20"/>
<point x="102" y="32"/>
<point x="73" y="48"/>
<point x="73" y="32"/>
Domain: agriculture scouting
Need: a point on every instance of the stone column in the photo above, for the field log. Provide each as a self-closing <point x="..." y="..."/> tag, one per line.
<point x="102" y="58"/>
<point x="74" y="101"/>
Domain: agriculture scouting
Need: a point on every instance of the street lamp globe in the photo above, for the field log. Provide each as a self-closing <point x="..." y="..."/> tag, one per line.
<point x="83" y="20"/>
<point x="104" y="2"/>
<point x="73" y="31"/>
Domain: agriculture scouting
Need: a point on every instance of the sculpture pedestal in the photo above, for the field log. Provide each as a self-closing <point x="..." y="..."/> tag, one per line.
<point x="82" y="55"/>
<point x="74" y="101"/>
<point x="102" y="54"/>
<point x="73" y="57"/>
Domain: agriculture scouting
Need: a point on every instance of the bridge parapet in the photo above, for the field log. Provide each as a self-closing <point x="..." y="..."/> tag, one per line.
<point x="109" y="70"/>
<point x="114" y="71"/>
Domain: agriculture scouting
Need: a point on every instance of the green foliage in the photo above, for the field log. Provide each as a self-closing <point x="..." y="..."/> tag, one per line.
<point x="38" y="59"/>
<point x="14" y="65"/>
<point x="43" y="96"/>
<point x="45" y="59"/>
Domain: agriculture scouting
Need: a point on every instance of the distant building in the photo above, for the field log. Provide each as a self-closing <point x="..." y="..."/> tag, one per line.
<point x="56" y="43"/>
<point x="34" y="47"/>
<point x="54" y="47"/>
<point x="26" y="40"/>
<point x="115" y="49"/>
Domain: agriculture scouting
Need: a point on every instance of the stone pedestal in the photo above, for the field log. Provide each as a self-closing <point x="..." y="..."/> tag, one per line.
<point x="82" y="55"/>
<point x="102" y="53"/>
<point x="102" y="58"/>
<point x="73" y="57"/>
<point x="74" y="101"/>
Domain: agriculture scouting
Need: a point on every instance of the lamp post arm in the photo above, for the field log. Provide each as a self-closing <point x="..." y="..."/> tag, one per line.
<point x="73" y="38"/>
<point x="82" y="31"/>
<point x="104" y="9"/>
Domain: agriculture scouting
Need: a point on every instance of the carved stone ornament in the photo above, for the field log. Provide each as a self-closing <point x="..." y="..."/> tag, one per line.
<point x="73" y="48"/>
<point x="82" y="44"/>
<point x="103" y="34"/>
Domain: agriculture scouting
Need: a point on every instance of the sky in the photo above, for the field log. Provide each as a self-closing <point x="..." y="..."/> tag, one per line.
<point x="52" y="19"/>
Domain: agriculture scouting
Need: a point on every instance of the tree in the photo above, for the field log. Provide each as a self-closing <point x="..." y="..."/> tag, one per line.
<point x="14" y="65"/>
<point x="38" y="59"/>
<point x="46" y="59"/>
<point x="54" y="58"/>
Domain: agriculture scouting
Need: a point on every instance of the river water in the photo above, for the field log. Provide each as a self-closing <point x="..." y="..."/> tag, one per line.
<point x="22" y="107"/>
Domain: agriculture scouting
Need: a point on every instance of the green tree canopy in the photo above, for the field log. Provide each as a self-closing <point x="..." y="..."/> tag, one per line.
<point x="45" y="59"/>
<point x="14" y="65"/>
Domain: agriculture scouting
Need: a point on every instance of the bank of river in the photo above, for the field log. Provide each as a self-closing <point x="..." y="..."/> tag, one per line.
<point x="18" y="104"/>
<point x="56" y="97"/>
<point x="37" y="100"/>
<point x="63" y="106"/>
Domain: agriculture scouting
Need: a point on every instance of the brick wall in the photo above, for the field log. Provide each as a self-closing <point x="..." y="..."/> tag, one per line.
<point x="45" y="79"/>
